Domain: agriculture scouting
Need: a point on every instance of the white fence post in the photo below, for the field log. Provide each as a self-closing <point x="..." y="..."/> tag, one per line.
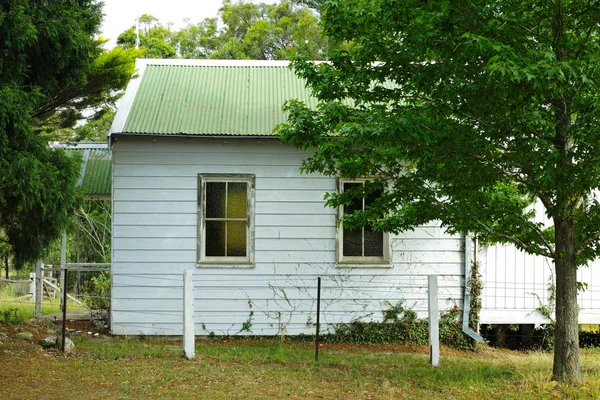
<point x="63" y="261"/>
<point x="189" y="349"/>
<point x="434" y="320"/>
<point x="39" y="279"/>
<point x="32" y="290"/>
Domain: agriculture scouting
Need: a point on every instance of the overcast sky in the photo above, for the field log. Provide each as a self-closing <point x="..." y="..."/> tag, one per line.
<point x="120" y="15"/>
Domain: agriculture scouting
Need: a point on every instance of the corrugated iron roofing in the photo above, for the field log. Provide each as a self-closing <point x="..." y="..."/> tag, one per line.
<point x="213" y="100"/>
<point x="96" y="169"/>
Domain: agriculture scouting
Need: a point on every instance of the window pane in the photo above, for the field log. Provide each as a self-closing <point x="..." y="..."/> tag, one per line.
<point x="236" y="239"/>
<point x="373" y="243"/>
<point x="215" y="238"/>
<point x="356" y="203"/>
<point x="352" y="242"/>
<point x="372" y="196"/>
<point x="215" y="199"/>
<point x="236" y="199"/>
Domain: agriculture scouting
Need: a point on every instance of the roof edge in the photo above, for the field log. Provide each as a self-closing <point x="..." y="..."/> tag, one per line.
<point x="212" y="63"/>
<point x="127" y="100"/>
<point x="196" y="135"/>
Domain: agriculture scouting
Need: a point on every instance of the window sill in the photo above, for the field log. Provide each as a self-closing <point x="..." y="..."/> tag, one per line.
<point x="229" y="264"/>
<point x="366" y="264"/>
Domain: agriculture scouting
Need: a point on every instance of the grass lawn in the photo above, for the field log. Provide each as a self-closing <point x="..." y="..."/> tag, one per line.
<point x="16" y="311"/>
<point x="265" y="369"/>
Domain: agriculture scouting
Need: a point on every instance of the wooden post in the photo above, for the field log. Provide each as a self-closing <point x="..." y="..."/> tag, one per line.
<point x="6" y="264"/>
<point x="189" y="349"/>
<point x="63" y="261"/>
<point x="39" y="279"/>
<point x="434" y="320"/>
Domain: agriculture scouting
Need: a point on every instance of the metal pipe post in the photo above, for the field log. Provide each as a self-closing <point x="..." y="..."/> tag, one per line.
<point x="64" y="321"/>
<point x="318" y="318"/>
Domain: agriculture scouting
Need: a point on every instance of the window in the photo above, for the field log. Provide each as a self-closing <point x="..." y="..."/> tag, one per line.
<point x="226" y="219"/>
<point x="361" y="245"/>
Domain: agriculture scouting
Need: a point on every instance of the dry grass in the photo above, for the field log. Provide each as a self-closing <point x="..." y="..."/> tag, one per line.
<point x="266" y="369"/>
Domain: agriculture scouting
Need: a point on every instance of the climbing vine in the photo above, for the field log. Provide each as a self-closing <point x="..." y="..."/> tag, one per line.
<point x="476" y="290"/>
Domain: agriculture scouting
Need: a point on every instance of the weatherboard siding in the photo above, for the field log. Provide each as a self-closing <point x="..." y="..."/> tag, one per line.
<point x="155" y="240"/>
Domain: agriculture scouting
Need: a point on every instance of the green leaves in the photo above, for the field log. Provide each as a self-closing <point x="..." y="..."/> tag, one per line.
<point x="243" y="30"/>
<point x="48" y="48"/>
<point x="470" y="111"/>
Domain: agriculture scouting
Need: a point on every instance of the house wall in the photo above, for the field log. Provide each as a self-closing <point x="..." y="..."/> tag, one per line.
<point x="515" y="284"/>
<point x="155" y="240"/>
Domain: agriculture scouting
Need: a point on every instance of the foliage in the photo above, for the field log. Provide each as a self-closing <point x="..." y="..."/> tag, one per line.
<point x="401" y="325"/>
<point x="95" y="130"/>
<point x="466" y="113"/>
<point x="10" y="316"/>
<point x="91" y="98"/>
<point x="242" y="30"/>
<point x="51" y="69"/>
<point x="98" y="298"/>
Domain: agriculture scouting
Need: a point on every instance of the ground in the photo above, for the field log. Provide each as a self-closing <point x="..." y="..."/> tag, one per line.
<point x="109" y="367"/>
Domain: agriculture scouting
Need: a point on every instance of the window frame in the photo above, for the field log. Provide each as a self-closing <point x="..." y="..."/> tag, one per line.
<point x="383" y="261"/>
<point x="204" y="261"/>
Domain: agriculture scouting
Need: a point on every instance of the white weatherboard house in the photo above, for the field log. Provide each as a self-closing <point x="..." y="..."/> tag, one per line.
<point x="200" y="182"/>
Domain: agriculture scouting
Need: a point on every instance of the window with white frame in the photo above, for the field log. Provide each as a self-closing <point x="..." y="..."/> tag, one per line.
<point x="361" y="245"/>
<point x="226" y="219"/>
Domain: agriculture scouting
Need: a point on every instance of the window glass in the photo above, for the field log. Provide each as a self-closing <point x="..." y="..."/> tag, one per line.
<point x="237" y="196"/>
<point x="361" y="242"/>
<point x="353" y="242"/>
<point x="215" y="199"/>
<point x="236" y="238"/>
<point x="215" y="238"/>
<point x="225" y="218"/>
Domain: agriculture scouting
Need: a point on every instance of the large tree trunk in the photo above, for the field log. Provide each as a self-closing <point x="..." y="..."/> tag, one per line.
<point x="566" y="351"/>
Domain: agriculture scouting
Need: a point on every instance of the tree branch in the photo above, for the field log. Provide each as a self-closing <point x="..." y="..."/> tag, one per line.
<point x="587" y="37"/>
<point x="516" y="241"/>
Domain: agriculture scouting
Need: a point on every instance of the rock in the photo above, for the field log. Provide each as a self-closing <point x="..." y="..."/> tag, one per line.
<point x="96" y="334"/>
<point x="48" y="341"/>
<point x="69" y="345"/>
<point x="75" y="334"/>
<point x="24" y="336"/>
<point x="98" y="324"/>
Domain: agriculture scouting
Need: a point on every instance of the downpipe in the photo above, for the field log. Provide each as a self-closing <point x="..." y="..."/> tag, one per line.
<point x="469" y="258"/>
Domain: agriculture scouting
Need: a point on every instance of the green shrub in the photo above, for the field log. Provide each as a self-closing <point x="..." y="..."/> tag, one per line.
<point x="99" y="296"/>
<point x="401" y="325"/>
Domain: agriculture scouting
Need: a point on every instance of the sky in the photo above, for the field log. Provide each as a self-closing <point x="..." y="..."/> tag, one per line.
<point x="120" y="15"/>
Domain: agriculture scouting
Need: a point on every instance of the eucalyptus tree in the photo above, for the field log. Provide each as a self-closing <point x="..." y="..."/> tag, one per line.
<point x="466" y="112"/>
<point x="241" y="30"/>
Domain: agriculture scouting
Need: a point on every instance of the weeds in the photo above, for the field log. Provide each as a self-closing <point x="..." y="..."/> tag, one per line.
<point x="401" y="325"/>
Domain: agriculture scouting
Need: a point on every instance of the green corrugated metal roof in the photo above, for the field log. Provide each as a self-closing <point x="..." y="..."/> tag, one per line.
<point x="213" y="100"/>
<point x="96" y="170"/>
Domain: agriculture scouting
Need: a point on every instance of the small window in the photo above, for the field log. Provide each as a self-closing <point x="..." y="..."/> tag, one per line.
<point x="360" y="245"/>
<point x="226" y="220"/>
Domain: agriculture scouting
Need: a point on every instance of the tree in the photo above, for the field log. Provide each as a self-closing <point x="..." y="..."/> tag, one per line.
<point x="154" y="38"/>
<point x="466" y="112"/>
<point x="243" y="30"/>
<point x="46" y="47"/>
